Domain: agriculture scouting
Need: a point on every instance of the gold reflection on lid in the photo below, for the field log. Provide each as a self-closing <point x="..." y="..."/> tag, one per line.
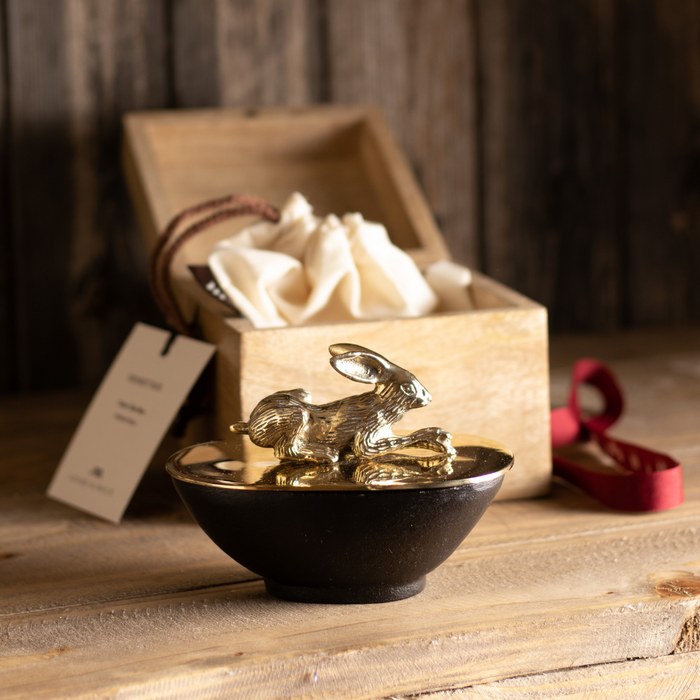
<point x="237" y="463"/>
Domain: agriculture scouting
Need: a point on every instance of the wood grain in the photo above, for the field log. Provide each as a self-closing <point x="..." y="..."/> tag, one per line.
<point x="121" y="47"/>
<point x="546" y="598"/>
<point x="674" y="677"/>
<point x="195" y="56"/>
<point x="7" y="286"/>
<point x="415" y="59"/>
<point x="662" y="96"/>
<point x="263" y="56"/>
<point x="551" y="156"/>
<point x="74" y="67"/>
<point x="243" y="53"/>
<point x="41" y="194"/>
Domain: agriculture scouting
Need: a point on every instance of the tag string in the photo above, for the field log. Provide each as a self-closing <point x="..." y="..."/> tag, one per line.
<point x="216" y="211"/>
<point x="647" y="480"/>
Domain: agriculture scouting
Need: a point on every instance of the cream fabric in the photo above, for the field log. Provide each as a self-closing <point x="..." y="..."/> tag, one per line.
<point x="451" y="283"/>
<point x="305" y="269"/>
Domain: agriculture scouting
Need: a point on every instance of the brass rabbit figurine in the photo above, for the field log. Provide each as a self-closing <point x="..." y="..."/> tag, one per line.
<point x="358" y="425"/>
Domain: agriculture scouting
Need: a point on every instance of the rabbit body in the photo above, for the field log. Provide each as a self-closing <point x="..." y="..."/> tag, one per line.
<point x="359" y="425"/>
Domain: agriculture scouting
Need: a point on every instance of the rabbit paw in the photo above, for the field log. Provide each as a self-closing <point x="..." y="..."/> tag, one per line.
<point x="444" y="440"/>
<point x="321" y="454"/>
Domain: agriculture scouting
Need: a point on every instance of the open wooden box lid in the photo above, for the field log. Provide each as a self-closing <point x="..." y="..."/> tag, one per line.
<point x="342" y="159"/>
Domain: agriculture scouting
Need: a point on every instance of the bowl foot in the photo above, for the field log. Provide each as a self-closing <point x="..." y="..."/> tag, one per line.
<point x="352" y="595"/>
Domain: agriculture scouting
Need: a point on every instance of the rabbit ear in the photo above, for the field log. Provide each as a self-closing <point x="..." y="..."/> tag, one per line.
<point x="342" y="348"/>
<point x="361" y="365"/>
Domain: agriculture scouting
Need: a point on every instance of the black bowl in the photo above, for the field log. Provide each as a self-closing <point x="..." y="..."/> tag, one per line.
<point x="325" y="539"/>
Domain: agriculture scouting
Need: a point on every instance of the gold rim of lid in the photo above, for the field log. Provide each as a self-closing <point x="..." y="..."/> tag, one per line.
<point x="240" y="465"/>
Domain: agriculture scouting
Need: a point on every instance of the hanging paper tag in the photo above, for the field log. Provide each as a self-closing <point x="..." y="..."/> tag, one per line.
<point x="127" y="419"/>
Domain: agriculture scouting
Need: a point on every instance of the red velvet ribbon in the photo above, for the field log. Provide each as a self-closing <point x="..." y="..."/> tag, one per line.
<point x="646" y="480"/>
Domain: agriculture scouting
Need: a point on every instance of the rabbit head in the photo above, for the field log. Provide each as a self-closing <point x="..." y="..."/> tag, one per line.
<point x="362" y="365"/>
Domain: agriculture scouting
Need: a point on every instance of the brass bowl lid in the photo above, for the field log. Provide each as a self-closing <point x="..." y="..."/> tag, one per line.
<point x="239" y="464"/>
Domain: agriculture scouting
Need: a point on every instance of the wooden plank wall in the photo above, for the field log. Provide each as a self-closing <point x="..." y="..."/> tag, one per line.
<point x="558" y="144"/>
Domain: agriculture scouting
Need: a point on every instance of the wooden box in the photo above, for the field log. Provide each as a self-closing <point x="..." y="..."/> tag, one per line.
<point x="486" y="369"/>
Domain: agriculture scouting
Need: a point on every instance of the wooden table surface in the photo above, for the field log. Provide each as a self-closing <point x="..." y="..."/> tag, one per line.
<point x="554" y="597"/>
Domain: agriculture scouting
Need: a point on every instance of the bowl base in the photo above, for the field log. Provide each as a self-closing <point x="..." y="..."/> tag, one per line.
<point x="352" y="595"/>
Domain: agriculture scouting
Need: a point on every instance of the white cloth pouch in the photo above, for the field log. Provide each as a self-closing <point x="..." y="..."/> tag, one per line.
<point x="304" y="269"/>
